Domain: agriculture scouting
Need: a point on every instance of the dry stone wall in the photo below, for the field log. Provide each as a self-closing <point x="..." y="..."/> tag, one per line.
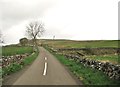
<point x="111" y="70"/>
<point x="7" y="60"/>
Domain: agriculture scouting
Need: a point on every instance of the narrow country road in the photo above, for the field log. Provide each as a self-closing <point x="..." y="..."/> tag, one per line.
<point x="46" y="70"/>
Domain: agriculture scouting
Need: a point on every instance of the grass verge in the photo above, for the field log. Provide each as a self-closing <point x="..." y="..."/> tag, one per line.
<point x="30" y="59"/>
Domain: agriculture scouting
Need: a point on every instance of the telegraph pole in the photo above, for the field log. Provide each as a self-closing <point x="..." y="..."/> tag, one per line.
<point x="53" y="37"/>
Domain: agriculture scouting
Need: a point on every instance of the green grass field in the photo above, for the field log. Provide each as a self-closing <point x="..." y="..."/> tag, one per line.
<point x="81" y="44"/>
<point x="7" y="51"/>
<point x="89" y="44"/>
<point x="108" y="58"/>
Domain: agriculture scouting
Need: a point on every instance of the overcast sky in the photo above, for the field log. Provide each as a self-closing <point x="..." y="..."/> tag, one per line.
<point x="66" y="19"/>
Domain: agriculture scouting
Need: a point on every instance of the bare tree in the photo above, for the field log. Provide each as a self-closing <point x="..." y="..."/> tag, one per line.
<point x="35" y="29"/>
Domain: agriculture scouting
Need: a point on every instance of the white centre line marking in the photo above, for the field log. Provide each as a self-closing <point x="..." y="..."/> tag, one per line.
<point x="45" y="58"/>
<point x="45" y="69"/>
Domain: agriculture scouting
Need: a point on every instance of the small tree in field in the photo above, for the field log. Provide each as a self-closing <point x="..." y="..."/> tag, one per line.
<point x="34" y="30"/>
<point x="23" y="41"/>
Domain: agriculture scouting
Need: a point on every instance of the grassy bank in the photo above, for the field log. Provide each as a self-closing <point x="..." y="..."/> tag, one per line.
<point x="87" y="75"/>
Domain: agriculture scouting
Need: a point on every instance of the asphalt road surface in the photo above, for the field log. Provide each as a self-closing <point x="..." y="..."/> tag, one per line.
<point x="46" y="70"/>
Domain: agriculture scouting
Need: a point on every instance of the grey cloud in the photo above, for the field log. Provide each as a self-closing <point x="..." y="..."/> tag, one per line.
<point x="14" y="12"/>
